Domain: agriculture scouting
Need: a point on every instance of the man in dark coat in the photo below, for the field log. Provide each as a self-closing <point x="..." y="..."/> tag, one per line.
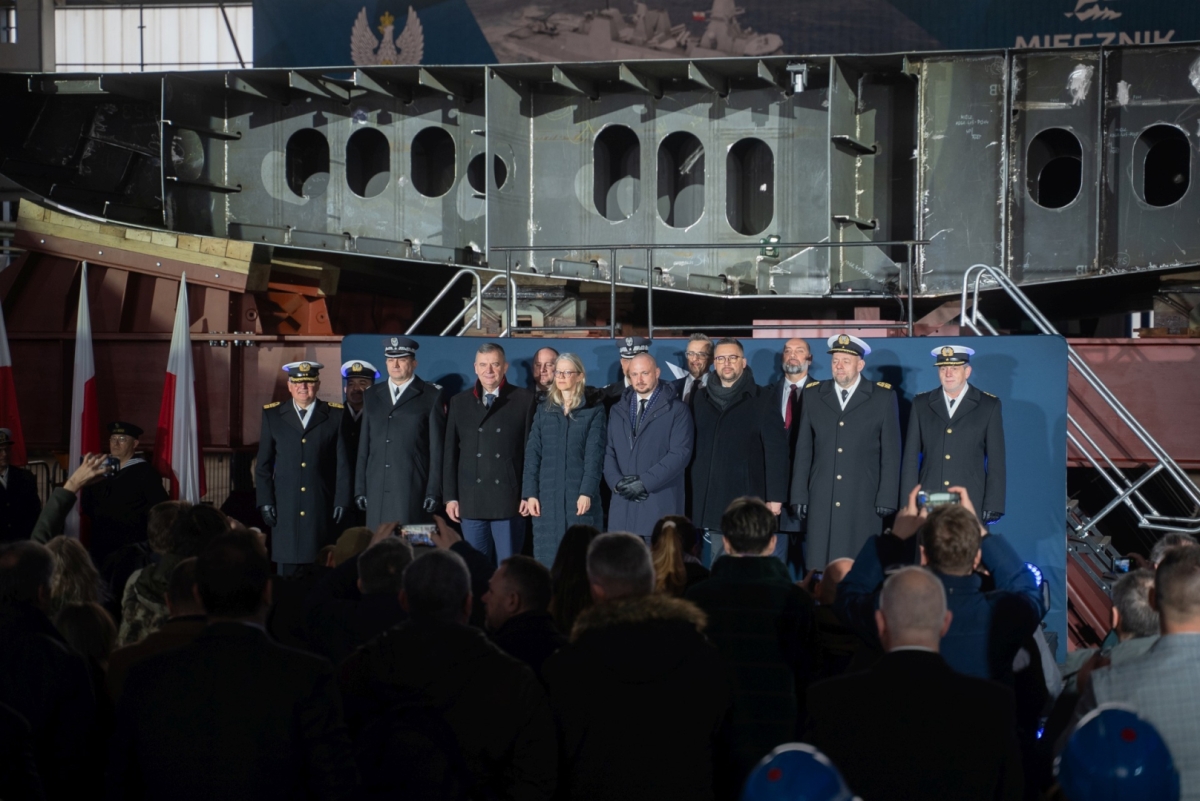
<point x="956" y="437"/>
<point x="649" y="447"/>
<point x="846" y="476"/>
<point x="740" y="447"/>
<point x="303" y="476"/>
<point x="399" y="473"/>
<point x="359" y="377"/>
<point x="437" y="668"/>
<point x="19" y="501"/>
<point x="789" y="393"/>
<point x="699" y="359"/>
<point x="763" y="624"/>
<point x="640" y="695"/>
<point x="518" y="616"/>
<point x="864" y="722"/>
<point x="484" y="457"/>
<point x="119" y="505"/>
<point x="543" y="372"/>
<point x="233" y="714"/>
<point x="43" y="679"/>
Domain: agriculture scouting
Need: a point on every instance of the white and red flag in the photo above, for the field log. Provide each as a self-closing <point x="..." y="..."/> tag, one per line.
<point x="177" y="441"/>
<point x="10" y="417"/>
<point x="85" y="414"/>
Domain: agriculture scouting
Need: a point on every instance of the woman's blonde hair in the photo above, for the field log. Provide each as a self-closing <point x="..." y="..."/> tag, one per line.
<point x="555" y="397"/>
<point x="666" y="551"/>
<point x="76" y="579"/>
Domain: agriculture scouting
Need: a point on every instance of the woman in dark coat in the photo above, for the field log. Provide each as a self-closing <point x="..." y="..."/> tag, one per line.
<point x="564" y="459"/>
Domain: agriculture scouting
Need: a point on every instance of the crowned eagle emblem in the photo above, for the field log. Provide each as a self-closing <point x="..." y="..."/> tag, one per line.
<point x="947" y="352"/>
<point x="305" y="367"/>
<point x="357" y="367"/>
<point x="407" y="48"/>
<point x="843" y="340"/>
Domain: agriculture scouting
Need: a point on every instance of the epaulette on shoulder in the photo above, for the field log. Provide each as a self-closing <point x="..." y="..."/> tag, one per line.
<point x="333" y="405"/>
<point x="435" y="386"/>
<point x="884" y="384"/>
<point x="812" y="384"/>
<point x="990" y="395"/>
<point x="272" y="405"/>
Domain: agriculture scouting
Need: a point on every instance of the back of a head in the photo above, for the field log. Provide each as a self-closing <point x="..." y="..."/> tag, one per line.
<point x="913" y="604"/>
<point x="195" y="527"/>
<point x="531" y="581"/>
<point x="666" y="552"/>
<point x="1114" y="755"/>
<point x="231" y="575"/>
<point x="1131" y="597"/>
<point x="181" y="587"/>
<point x="352" y="542"/>
<point x="76" y="579"/>
<point x="795" y="772"/>
<point x="381" y="567"/>
<point x="26" y="571"/>
<point x="159" y="522"/>
<point x="835" y="571"/>
<point x="951" y="538"/>
<point x="571" y="593"/>
<point x="89" y="629"/>
<point x="1177" y="586"/>
<point x="1168" y="542"/>
<point x="436" y="587"/>
<point x="748" y="525"/>
<point x="619" y="562"/>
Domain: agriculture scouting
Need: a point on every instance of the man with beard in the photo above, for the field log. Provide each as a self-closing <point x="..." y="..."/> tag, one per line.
<point x="788" y="392"/>
<point x="699" y="355"/>
<point x="847" y="470"/>
<point x="740" y="445"/>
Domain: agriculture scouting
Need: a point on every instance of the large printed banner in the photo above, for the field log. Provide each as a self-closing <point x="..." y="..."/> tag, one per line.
<point x="1027" y="373"/>
<point x="307" y="33"/>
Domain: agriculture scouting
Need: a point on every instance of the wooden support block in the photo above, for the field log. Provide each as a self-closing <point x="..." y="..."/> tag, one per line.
<point x="163" y="238"/>
<point x="191" y="243"/>
<point x="28" y="210"/>
<point x="213" y="247"/>
<point x="112" y="230"/>
<point x="237" y="250"/>
<point x="137" y="235"/>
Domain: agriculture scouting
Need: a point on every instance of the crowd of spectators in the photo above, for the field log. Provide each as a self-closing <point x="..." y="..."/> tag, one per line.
<point x="624" y="671"/>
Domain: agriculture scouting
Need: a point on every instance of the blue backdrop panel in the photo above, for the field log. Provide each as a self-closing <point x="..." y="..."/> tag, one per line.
<point x="1028" y="374"/>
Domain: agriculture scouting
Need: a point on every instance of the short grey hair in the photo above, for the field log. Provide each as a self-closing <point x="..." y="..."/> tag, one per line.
<point x="381" y="567"/>
<point x="698" y="337"/>
<point x="491" y="347"/>
<point x="1167" y="542"/>
<point x="436" y="586"/>
<point x="1131" y="597"/>
<point x="914" y="600"/>
<point x="620" y="563"/>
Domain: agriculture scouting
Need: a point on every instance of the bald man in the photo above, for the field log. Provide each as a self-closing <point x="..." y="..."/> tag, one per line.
<point x="864" y="721"/>
<point x="788" y="393"/>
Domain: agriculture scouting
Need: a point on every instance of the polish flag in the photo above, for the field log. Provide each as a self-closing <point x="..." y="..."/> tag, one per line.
<point x="85" y="414"/>
<point x="177" y="442"/>
<point x="10" y="417"/>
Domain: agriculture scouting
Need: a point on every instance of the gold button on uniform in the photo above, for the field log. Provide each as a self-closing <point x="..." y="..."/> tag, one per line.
<point x="837" y="503"/>
<point x="841" y="423"/>
<point x="302" y="514"/>
<point x="839" y="478"/>
<point x="302" y="489"/>
<point x="302" y="464"/>
<point x="947" y="456"/>
<point x="839" y="450"/>
<point x="303" y="440"/>
<point x="947" y="483"/>
<point x="949" y="430"/>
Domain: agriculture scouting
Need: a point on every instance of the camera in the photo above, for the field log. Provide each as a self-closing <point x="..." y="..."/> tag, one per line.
<point x="111" y="465"/>
<point x="418" y="534"/>
<point x="1121" y="565"/>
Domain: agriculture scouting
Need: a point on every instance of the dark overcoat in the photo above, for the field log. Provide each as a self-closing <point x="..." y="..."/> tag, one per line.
<point x="19" y="505"/>
<point x="351" y="430"/>
<point x="847" y="464"/>
<point x="739" y="450"/>
<point x="400" y="452"/>
<point x="789" y="521"/>
<point x="658" y="455"/>
<point x="966" y="450"/>
<point x="485" y="451"/>
<point x="304" y="474"/>
<point x="564" y="459"/>
<point x="119" y="507"/>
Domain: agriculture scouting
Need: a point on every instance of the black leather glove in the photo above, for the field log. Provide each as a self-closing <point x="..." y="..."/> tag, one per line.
<point x="801" y="510"/>
<point x="884" y="511"/>
<point x="361" y="503"/>
<point x="269" y="515"/>
<point x="991" y="517"/>
<point x="429" y="505"/>
<point x="635" y="491"/>
<point x="338" y="511"/>
<point x="622" y="484"/>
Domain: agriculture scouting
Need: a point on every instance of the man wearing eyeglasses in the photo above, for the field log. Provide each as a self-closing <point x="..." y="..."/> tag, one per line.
<point x="119" y="505"/>
<point x="699" y="356"/>
<point x="399" y="472"/>
<point x="740" y="444"/>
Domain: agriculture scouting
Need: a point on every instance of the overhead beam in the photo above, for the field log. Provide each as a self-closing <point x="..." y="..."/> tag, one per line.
<point x="708" y="79"/>
<point x="443" y="84"/>
<point x="573" y="83"/>
<point x="382" y="86"/>
<point x="771" y="76"/>
<point x="643" y="83"/>
<point x="300" y="83"/>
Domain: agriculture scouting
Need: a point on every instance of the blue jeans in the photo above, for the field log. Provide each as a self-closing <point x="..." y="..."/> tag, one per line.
<point x="495" y="539"/>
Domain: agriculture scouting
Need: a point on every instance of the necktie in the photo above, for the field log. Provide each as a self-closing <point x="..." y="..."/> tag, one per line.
<point x="395" y="393"/>
<point x="488" y="400"/>
<point x="793" y="396"/>
<point x="845" y="394"/>
<point x="952" y="404"/>
<point x="641" y="411"/>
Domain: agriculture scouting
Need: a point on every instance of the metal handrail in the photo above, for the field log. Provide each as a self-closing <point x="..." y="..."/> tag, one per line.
<point x="446" y="289"/>
<point x="971" y="318"/>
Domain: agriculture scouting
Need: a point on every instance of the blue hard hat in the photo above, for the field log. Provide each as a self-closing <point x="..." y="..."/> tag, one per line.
<point x="1116" y="756"/>
<point x="795" y="772"/>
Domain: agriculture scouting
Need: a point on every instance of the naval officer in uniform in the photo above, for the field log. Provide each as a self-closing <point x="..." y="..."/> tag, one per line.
<point x="846" y="478"/>
<point x="303" y="475"/>
<point x="399" y="472"/>
<point x="628" y="347"/>
<point x="359" y="376"/>
<point x="956" y="437"/>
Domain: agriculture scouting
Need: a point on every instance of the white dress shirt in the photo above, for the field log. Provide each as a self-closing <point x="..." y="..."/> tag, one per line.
<point x="788" y="383"/>
<point x="4" y="478"/>
<point x="951" y="408"/>
<point x="689" y="384"/>
<point x="849" y="391"/>
<point x="305" y="414"/>
<point x="398" y="389"/>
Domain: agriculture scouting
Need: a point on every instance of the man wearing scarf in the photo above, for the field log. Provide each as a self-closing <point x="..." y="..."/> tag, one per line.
<point x="741" y="447"/>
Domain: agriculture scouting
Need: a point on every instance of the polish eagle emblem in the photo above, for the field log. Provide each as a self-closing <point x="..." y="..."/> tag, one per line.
<point x="407" y="48"/>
